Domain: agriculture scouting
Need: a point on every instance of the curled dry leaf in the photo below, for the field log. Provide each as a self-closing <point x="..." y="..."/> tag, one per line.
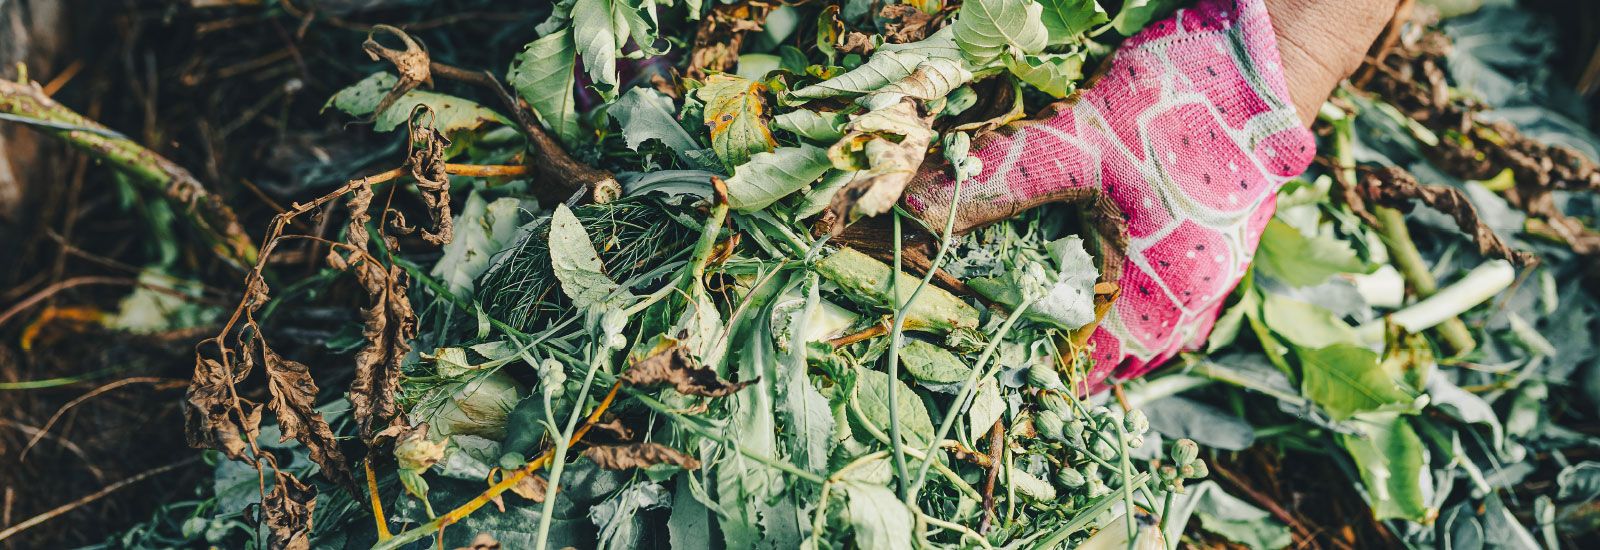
<point x="638" y="455"/>
<point x="293" y="402"/>
<point x="426" y="163"/>
<point x="886" y="146"/>
<point x="1394" y="187"/>
<point x="676" y="366"/>
<point x="213" y="417"/>
<point x="388" y="323"/>
<point x="287" y="512"/>
<point x="411" y="63"/>
<point x="905" y="23"/>
<point x="721" y="33"/>
<point x="531" y="487"/>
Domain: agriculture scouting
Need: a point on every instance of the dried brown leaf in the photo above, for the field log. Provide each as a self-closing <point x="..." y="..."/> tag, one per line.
<point x="483" y="541"/>
<point x="721" y="33"/>
<point x="638" y="455"/>
<point x="905" y="23"/>
<point x="213" y="417"/>
<point x="887" y="146"/>
<point x="293" y="402"/>
<point x="411" y="63"/>
<point x="1394" y="187"/>
<point x="531" y="487"/>
<point x="388" y="323"/>
<point x="676" y="366"/>
<point x="287" y="511"/>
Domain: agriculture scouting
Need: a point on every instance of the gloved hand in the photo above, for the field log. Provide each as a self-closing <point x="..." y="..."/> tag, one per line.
<point x="1188" y="134"/>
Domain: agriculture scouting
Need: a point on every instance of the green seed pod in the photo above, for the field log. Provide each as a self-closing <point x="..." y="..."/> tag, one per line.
<point x="1135" y="442"/>
<point x="1185" y="451"/>
<point x="1074" y="430"/>
<point x="1197" y="469"/>
<point x="1049" y="425"/>
<point x="1054" y="402"/>
<point x="1044" y="376"/>
<point x="1070" y="478"/>
<point x="1136" y="422"/>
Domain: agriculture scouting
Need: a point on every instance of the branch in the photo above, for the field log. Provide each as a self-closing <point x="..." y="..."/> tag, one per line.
<point x="209" y="215"/>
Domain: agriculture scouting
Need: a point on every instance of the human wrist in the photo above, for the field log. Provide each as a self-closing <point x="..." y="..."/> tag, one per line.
<point x="1320" y="42"/>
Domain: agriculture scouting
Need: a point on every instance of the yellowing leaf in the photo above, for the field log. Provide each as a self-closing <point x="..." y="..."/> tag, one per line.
<point x="736" y="116"/>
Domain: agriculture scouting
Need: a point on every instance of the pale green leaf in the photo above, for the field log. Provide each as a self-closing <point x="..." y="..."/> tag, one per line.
<point x="645" y="114"/>
<point x="575" y="262"/>
<point x="866" y="280"/>
<point x="1393" y="465"/>
<point x="1066" y="19"/>
<point x="1346" y="380"/>
<point x="1054" y="74"/>
<point x="879" y="70"/>
<point x="481" y="230"/>
<point x="932" y="364"/>
<point x="878" y="517"/>
<point x="455" y="117"/>
<point x="734" y="112"/>
<point x="772" y="176"/>
<point x="1305" y="325"/>
<point x="987" y="408"/>
<point x="985" y="29"/>
<point x="542" y="73"/>
<point x="596" y="33"/>
<point x="872" y="392"/>
<point x="824" y="127"/>
<point x="1288" y="255"/>
<point x="1135" y="14"/>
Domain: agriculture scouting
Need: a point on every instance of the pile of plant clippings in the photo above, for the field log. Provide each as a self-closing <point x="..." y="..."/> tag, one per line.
<point x="608" y="303"/>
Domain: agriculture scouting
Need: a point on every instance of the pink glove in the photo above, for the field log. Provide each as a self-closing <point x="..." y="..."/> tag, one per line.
<point x="1190" y="133"/>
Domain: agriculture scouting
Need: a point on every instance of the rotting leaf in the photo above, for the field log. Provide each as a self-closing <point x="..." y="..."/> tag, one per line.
<point x="887" y="146"/>
<point x="287" y="511"/>
<point x="720" y="36"/>
<point x="389" y="324"/>
<point x="294" y="393"/>
<point x="211" y="419"/>
<point x="736" y="116"/>
<point x="412" y="63"/>
<point x="676" y="366"/>
<point x="638" y="455"/>
<point x="905" y="23"/>
<point x="531" y="487"/>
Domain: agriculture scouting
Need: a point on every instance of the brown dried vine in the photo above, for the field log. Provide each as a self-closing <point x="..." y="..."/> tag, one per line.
<point x="1395" y="188"/>
<point x="1411" y="77"/>
<point x="217" y="416"/>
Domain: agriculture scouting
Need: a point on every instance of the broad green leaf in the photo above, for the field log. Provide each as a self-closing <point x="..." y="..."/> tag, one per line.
<point x="890" y="63"/>
<point x="575" y="262"/>
<point x="1393" y="465"/>
<point x="599" y="31"/>
<point x="824" y="127"/>
<point x="1288" y="255"/>
<point x="1305" y="325"/>
<point x="455" y="117"/>
<point x="986" y="409"/>
<point x="872" y="392"/>
<point x="645" y="114"/>
<point x="985" y="29"/>
<point x="1136" y="14"/>
<point x="932" y="364"/>
<point x="932" y="79"/>
<point x="878" y="517"/>
<point x="1346" y="380"/>
<point x="772" y="176"/>
<point x="1231" y="321"/>
<point x="481" y="230"/>
<point x="1227" y="515"/>
<point x="753" y="495"/>
<point x="1066" y="19"/>
<point x="866" y="280"/>
<point x="736" y="117"/>
<point x="819" y="196"/>
<point x="542" y="73"/>
<point x="1054" y="74"/>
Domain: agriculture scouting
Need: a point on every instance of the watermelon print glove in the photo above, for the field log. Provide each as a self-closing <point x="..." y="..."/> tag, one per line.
<point x="1188" y="134"/>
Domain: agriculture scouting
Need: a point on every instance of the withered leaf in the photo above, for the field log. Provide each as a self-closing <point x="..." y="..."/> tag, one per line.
<point x="886" y="146"/>
<point x="905" y="23"/>
<point x="389" y="324"/>
<point x="293" y="402"/>
<point x="211" y="420"/>
<point x="676" y="366"/>
<point x="531" y="487"/>
<point x="638" y="455"/>
<point x="1395" y="187"/>
<point x="721" y="33"/>
<point x="287" y="512"/>
<point x="483" y="541"/>
<point x="412" y="63"/>
<point x="736" y="116"/>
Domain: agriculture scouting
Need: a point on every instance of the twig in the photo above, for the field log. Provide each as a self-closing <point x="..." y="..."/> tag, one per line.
<point x="59" y="286"/>
<point x="91" y="497"/>
<point x="213" y="218"/>
<point x="85" y="397"/>
<point x="997" y="435"/>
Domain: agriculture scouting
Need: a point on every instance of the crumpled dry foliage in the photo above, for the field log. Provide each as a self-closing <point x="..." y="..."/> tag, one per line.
<point x="1394" y="187"/>
<point x="638" y="455"/>
<point x="293" y="402"/>
<point x="411" y="63"/>
<point x="717" y="41"/>
<point x="388" y="324"/>
<point x="893" y="152"/>
<point x="287" y="512"/>
<point x="676" y="366"/>
<point x="905" y="23"/>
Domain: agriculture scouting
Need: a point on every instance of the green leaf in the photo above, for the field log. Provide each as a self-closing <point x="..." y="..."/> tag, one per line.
<point x="932" y="79"/>
<point x="598" y="39"/>
<point x="736" y="117"/>
<point x="804" y="409"/>
<point x="1066" y="19"/>
<point x="1288" y="255"/>
<point x="645" y="114"/>
<point x="878" y="517"/>
<point x="1346" y="380"/>
<point x="866" y="280"/>
<point x="1136" y="14"/>
<point x="1054" y="74"/>
<point x="987" y="408"/>
<point x="768" y="177"/>
<point x="456" y="117"/>
<point x="932" y="364"/>
<point x="1227" y="515"/>
<point x="1393" y="465"/>
<point x="823" y="127"/>
<point x="985" y="29"/>
<point x="542" y="73"/>
<point x="1305" y="325"/>
<point x="576" y="263"/>
<point x="872" y="392"/>
<point x="890" y="63"/>
<point x="482" y="230"/>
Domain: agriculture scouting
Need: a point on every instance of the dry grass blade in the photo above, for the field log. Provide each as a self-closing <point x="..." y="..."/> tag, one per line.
<point x="638" y="455"/>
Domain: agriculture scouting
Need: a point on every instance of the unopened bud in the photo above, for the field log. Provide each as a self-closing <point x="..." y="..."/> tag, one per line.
<point x="1185" y="451"/>
<point x="1049" y="425"/>
<point x="1070" y="477"/>
<point x="1136" y="422"/>
<point x="1043" y="375"/>
<point x="1197" y="469"/>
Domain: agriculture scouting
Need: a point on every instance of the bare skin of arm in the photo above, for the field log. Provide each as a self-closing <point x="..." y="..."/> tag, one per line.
<point x="1321" y="42"/>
